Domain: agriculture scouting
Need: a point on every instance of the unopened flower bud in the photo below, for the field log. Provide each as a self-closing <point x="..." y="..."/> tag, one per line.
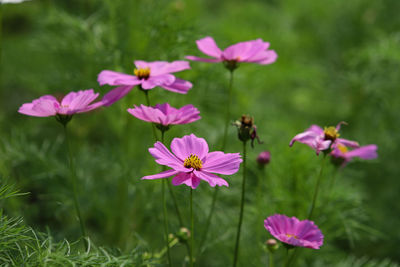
<point x="246" y="129"/>
<point x="272" y="245"/>
<point x="183" y="234"/>
<point x="264" y="158"/>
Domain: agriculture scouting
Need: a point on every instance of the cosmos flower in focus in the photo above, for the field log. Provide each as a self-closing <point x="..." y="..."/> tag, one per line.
<point x="255" y="51"/>
<point x="146" y="74"/>
<point x="191" y="162"/>
<point x="294" y="232"/>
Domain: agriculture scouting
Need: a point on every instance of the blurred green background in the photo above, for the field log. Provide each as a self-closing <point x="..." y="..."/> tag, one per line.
<point x="337" y="61"/>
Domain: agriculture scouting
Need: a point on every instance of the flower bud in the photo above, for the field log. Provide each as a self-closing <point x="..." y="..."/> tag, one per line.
<point x="183" y="234"/>
<point x="264" y="158"/>
<point x="246" y="129"/>
<point x="272" y="245"/>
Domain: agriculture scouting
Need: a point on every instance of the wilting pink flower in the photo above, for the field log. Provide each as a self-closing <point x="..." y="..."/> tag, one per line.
<point x="255" y="51"/>
<point x="264" y="158"/>
<point x="294" y="232"/>
<point x="322" y="139"/>
<point x="74" y="102"/>
<point x="344" y="155"/>
<point x="191" y="162"/>
<point x="166" y="115"/>
<point x="146" y="74"/>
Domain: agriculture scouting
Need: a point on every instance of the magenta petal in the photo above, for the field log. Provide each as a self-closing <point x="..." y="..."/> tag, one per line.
<point x="164" y="157"/>
<point x="208" y="60"/>
<point x="347" y="143"/>
<point x="39" y="108"/>
<point x="186" y="178"/>
<point x="189" y="144"/>
<point x="116" y="78"/>
<point x="210" y="178"/>
<point x="116" y="94"/>
<point x="208" y="46"/>
<point x="161" y="80"/>
<point x="219" y="162"/>
<point x="264" y="57"/>
<point x="79" y="100"/>
<point x="164" y="174"/>
<point x="316" y="129"/>
<point x="306" y="138"/>
<point x="178" y="86"/>
<point x="364" y="152"/>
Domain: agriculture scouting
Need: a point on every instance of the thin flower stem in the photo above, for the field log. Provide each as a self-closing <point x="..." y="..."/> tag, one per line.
<point x="146" y="93"/>
<point x="236" y="255"/>
<point x="290" y="260"/>
<point x="191" y="228"/>
<point x="271" y="259"/>
<point x="228" y="110"/>
<point x="74" y="187"/>
<point x="166" y="231"/>
<point x="216" y="190"/>
<point x="317" y="185"/>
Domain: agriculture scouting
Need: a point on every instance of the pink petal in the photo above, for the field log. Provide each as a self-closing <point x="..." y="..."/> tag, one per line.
<point x="161" y="80"/>
<point x="219" y="162"/>
<point x="116" y="94"/>
<point x="316" y="129"/>
<point x="178" y="86"/>
<point x="210" y="178"/>
<point x="306" y="137"/>
<point x="208" y="46"/>
<point x="80" y="100"/>
<point x="346" y="142"/>
<point x="263" y="57"/>
<point x="208" y="60"/>
<point x="116" y="78"/>
<point x="148" y="114"/>
<point x="364" y="152"/>
<point x="164" y="174"/>
<point x="90" y="107"/>
<point x="39" y="108"/>
<point x="164" y="157"/>
<point x="243" y="50"/>
<point x="189" y="144"/>
<point x="186" y="178"/>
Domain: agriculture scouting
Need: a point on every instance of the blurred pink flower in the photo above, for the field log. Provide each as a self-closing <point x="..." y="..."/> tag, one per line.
<point x="322" y="139"/>
<point x="166" y="115"/>
<point x="294" y="232"/>
<point x="74" y="102"/>
<point x="255" y="51"/>
<point x="264" y="158"/>
<point x="341" y="152"/>
<point x="191" y="162"/>
<point x="146" y="74"/>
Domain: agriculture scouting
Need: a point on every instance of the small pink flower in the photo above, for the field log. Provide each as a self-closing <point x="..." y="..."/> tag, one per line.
<point x="146" y="74"/>
<point x="255" y="51"/>
<point x="191" y="162"/>
<point x="341" y="152"/>
<point x="322" y="139"/>
<point x="264" y="158"/>
<point x="166" y="115"/>
<point x="74" y="102"/>
<point x="294" y="232"/>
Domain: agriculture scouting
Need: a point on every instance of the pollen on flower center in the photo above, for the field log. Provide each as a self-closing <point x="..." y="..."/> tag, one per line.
<point x="331" y="133"/>
<point x="142" y="73"/>
<point x="194" y="162"/>
<point x="290" y="235"/>
<point x="342" y="148"/>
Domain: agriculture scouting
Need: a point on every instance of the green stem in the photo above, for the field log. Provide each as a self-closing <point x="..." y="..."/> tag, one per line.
<point x="146" y="93"/>
<point x="228" y="110"/>
<point x="271" y="259"/>
<point x="236" y="255"/>
<point x="216" y="190"/>
<point x="317" y="185"/>
<point x="74" y="187"/>
<point x="191" y="228"/>
<point x="166" y="231"/>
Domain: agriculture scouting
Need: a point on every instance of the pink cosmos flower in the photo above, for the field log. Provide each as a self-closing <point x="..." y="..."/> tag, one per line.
<point x="166" y="115"/>
<point x="255" y="51"/>
<point x="191" y="162"/>
<point x="146" y="74"/>
<point x="322" y="139"/>
<point x="74" y="102"/>
<point x="341" y="152"/>
<point x="294" y="232"/>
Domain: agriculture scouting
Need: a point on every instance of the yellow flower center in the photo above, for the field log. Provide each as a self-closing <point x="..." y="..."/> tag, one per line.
<point x="342" y="148"/>
<point x="290" y="235"/>
<point x="142" y="73"/>
<point x="331" y="133"/>
<point x="194" y="162"/>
